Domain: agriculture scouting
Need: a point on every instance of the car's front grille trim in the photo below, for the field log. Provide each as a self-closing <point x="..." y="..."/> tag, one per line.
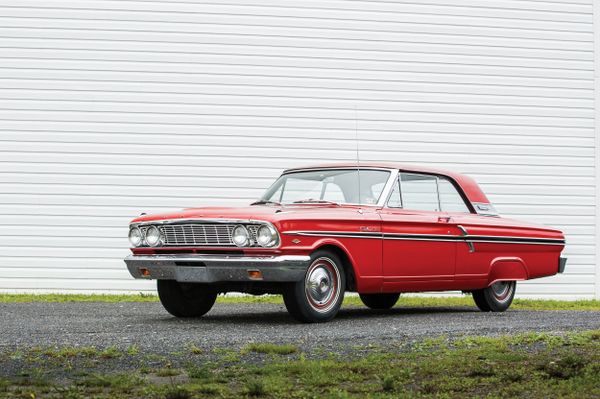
<point x="201" y="234"/>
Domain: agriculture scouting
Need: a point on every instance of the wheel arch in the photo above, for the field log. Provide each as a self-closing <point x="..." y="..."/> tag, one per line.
<point x="345" y="257"/>
<point x="507" y="269"/>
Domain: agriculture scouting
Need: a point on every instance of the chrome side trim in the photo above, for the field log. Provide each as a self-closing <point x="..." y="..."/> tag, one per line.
<point x="432" y="237"/>
<point x="465" y="233"/>
<point x="344" y="234"/>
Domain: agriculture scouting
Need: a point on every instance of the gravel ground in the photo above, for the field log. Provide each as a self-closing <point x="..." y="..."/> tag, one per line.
<point x="148" y="326"/>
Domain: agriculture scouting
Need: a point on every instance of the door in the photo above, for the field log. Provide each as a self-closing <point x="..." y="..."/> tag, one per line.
<point x="419" y="245"/>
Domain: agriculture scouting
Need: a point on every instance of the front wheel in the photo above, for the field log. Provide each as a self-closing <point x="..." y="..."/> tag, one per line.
<point x="185" y="299"/>
<point x="497" y="297"/>
<point x="379" y="301"/>
<point x="318" y="297"/>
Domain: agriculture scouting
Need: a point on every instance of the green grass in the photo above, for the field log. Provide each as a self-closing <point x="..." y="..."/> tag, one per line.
<point x="273" y="349"/>
<point x="405" y="301"/>
<point x="520" y="366"/>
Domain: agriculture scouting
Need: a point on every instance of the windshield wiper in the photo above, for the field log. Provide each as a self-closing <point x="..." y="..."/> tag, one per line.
<point x="315" y="201"/>
<point x="265" y="202"/>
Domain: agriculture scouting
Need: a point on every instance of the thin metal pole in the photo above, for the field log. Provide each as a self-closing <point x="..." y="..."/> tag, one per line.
<point x="357" y="149"/>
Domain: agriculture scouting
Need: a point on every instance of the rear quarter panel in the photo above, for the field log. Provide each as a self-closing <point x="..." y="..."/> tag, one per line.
<point x="505" y="261"/>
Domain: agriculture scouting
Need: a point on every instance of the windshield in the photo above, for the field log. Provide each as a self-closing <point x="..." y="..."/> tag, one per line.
<point x="338" y="185"/>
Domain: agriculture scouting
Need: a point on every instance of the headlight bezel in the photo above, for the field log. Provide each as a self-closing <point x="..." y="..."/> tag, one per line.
<point x="247" y="241"/>
<point x="273" y="236"/>
<point x="158" y="242"/>
<point x="140" y="235"/>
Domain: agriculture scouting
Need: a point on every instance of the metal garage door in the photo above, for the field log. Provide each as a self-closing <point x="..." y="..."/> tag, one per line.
<point x="110" y="108"/>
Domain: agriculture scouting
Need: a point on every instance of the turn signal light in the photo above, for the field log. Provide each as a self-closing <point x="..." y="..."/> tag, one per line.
<point x="145" y="272"/>
<point x="255" y="274"/>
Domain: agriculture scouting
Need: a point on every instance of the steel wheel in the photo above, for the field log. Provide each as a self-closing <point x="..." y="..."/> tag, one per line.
<point x="318" y="296"/>
<point x="502" y="290"/>
<point x="497" y="297"/>
<point x="322" y="284"/>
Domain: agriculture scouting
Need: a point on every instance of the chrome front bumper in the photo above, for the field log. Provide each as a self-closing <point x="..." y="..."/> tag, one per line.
<point x="218" y="268"/>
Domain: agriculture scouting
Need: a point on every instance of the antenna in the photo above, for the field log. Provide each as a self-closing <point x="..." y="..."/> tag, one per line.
<point x="357" y="149"/>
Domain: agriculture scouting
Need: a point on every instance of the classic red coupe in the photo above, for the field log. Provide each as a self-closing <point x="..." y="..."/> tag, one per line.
<point x="320" y="231"/>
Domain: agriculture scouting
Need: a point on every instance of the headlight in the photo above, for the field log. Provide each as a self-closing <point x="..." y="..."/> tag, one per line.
<point x="135" y="237"/>
<point x="266" y="236"/>
<point x="153" y="237"/>
<point x="240" y="236"/>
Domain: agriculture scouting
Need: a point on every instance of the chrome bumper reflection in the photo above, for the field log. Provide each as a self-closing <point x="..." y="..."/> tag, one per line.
<point x="218" y="268"/>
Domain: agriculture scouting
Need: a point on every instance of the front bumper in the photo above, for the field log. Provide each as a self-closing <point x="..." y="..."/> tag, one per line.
<point x="218" y="268"/>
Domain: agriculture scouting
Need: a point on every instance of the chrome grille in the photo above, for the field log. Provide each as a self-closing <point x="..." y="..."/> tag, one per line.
<point x="202" y="234"/>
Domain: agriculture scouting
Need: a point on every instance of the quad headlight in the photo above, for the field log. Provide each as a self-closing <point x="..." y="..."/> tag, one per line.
<point x="153" y="236"/>
<point x="240" y="236"/>
<point x="135" y="237"/>
<point x="266" y="236"/>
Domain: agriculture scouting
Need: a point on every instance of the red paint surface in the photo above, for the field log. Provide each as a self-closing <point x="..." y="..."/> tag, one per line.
<point x="382" y="265"/>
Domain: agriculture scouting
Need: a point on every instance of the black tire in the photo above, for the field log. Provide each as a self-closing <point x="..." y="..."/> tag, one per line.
<point x="185" y="299"/>
<point x="496" y="298"/>
<point x="379" y="301"/>
<point x="318" y="296"/>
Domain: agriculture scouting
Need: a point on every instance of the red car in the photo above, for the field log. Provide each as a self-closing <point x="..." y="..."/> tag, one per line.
<point x="320" y="231"/>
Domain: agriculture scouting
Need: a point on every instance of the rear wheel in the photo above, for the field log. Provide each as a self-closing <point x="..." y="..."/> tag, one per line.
<point x="497" y="297"/>
<point x="379" y="301"/>
<point x="185" y="299"/>
<point x="317" y="297"/>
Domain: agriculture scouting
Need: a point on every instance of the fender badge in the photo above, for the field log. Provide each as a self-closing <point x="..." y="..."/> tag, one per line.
<point x="296" y="241"/>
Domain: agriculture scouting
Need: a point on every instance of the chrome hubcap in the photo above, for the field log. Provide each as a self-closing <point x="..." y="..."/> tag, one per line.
<point x="321" y="284"/>
<point x="502" y="289"/>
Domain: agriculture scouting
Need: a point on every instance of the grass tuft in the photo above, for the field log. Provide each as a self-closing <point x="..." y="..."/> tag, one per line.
<point x="256" y="388"/>
<point x="273" y="349"/>
<point x="178" y="393"/>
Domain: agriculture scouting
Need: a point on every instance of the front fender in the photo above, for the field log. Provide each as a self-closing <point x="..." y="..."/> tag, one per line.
<point x="367" y="276"/>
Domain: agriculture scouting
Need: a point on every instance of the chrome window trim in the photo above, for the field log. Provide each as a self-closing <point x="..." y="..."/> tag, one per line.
<point x="459" y="191"/>
<point x="382" y="197"/>
<point x="387" y="203"/>
<point x="490" y="212"/>
<point x="387" y="189"/>
<point x="289" y="171"/>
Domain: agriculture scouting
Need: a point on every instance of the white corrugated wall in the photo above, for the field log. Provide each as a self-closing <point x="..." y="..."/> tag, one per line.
<point x="112" y="108"/>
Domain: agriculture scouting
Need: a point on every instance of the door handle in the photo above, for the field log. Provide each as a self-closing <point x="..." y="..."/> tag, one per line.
<point x="444" y="219"/>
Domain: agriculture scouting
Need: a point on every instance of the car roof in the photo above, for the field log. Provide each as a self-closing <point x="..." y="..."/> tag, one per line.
<point x="467" y="184"/>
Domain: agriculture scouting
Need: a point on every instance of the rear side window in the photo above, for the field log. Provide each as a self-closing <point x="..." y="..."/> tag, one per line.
<point x="419" y="192"/>
<point x="450" y="199"/>
<point x="416" y="191"/>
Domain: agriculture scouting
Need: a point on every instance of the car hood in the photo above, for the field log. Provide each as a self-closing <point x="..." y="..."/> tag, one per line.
<point x="259" y="212"/>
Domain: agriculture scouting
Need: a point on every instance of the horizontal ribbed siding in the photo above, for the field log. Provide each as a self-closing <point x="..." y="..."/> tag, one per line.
<point x="111" y="108"/>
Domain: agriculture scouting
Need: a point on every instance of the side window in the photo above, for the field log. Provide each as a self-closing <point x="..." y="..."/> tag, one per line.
<point x="450" y="199"/>
<point x="419" y="192"/>
<point x="395" y="200"/>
